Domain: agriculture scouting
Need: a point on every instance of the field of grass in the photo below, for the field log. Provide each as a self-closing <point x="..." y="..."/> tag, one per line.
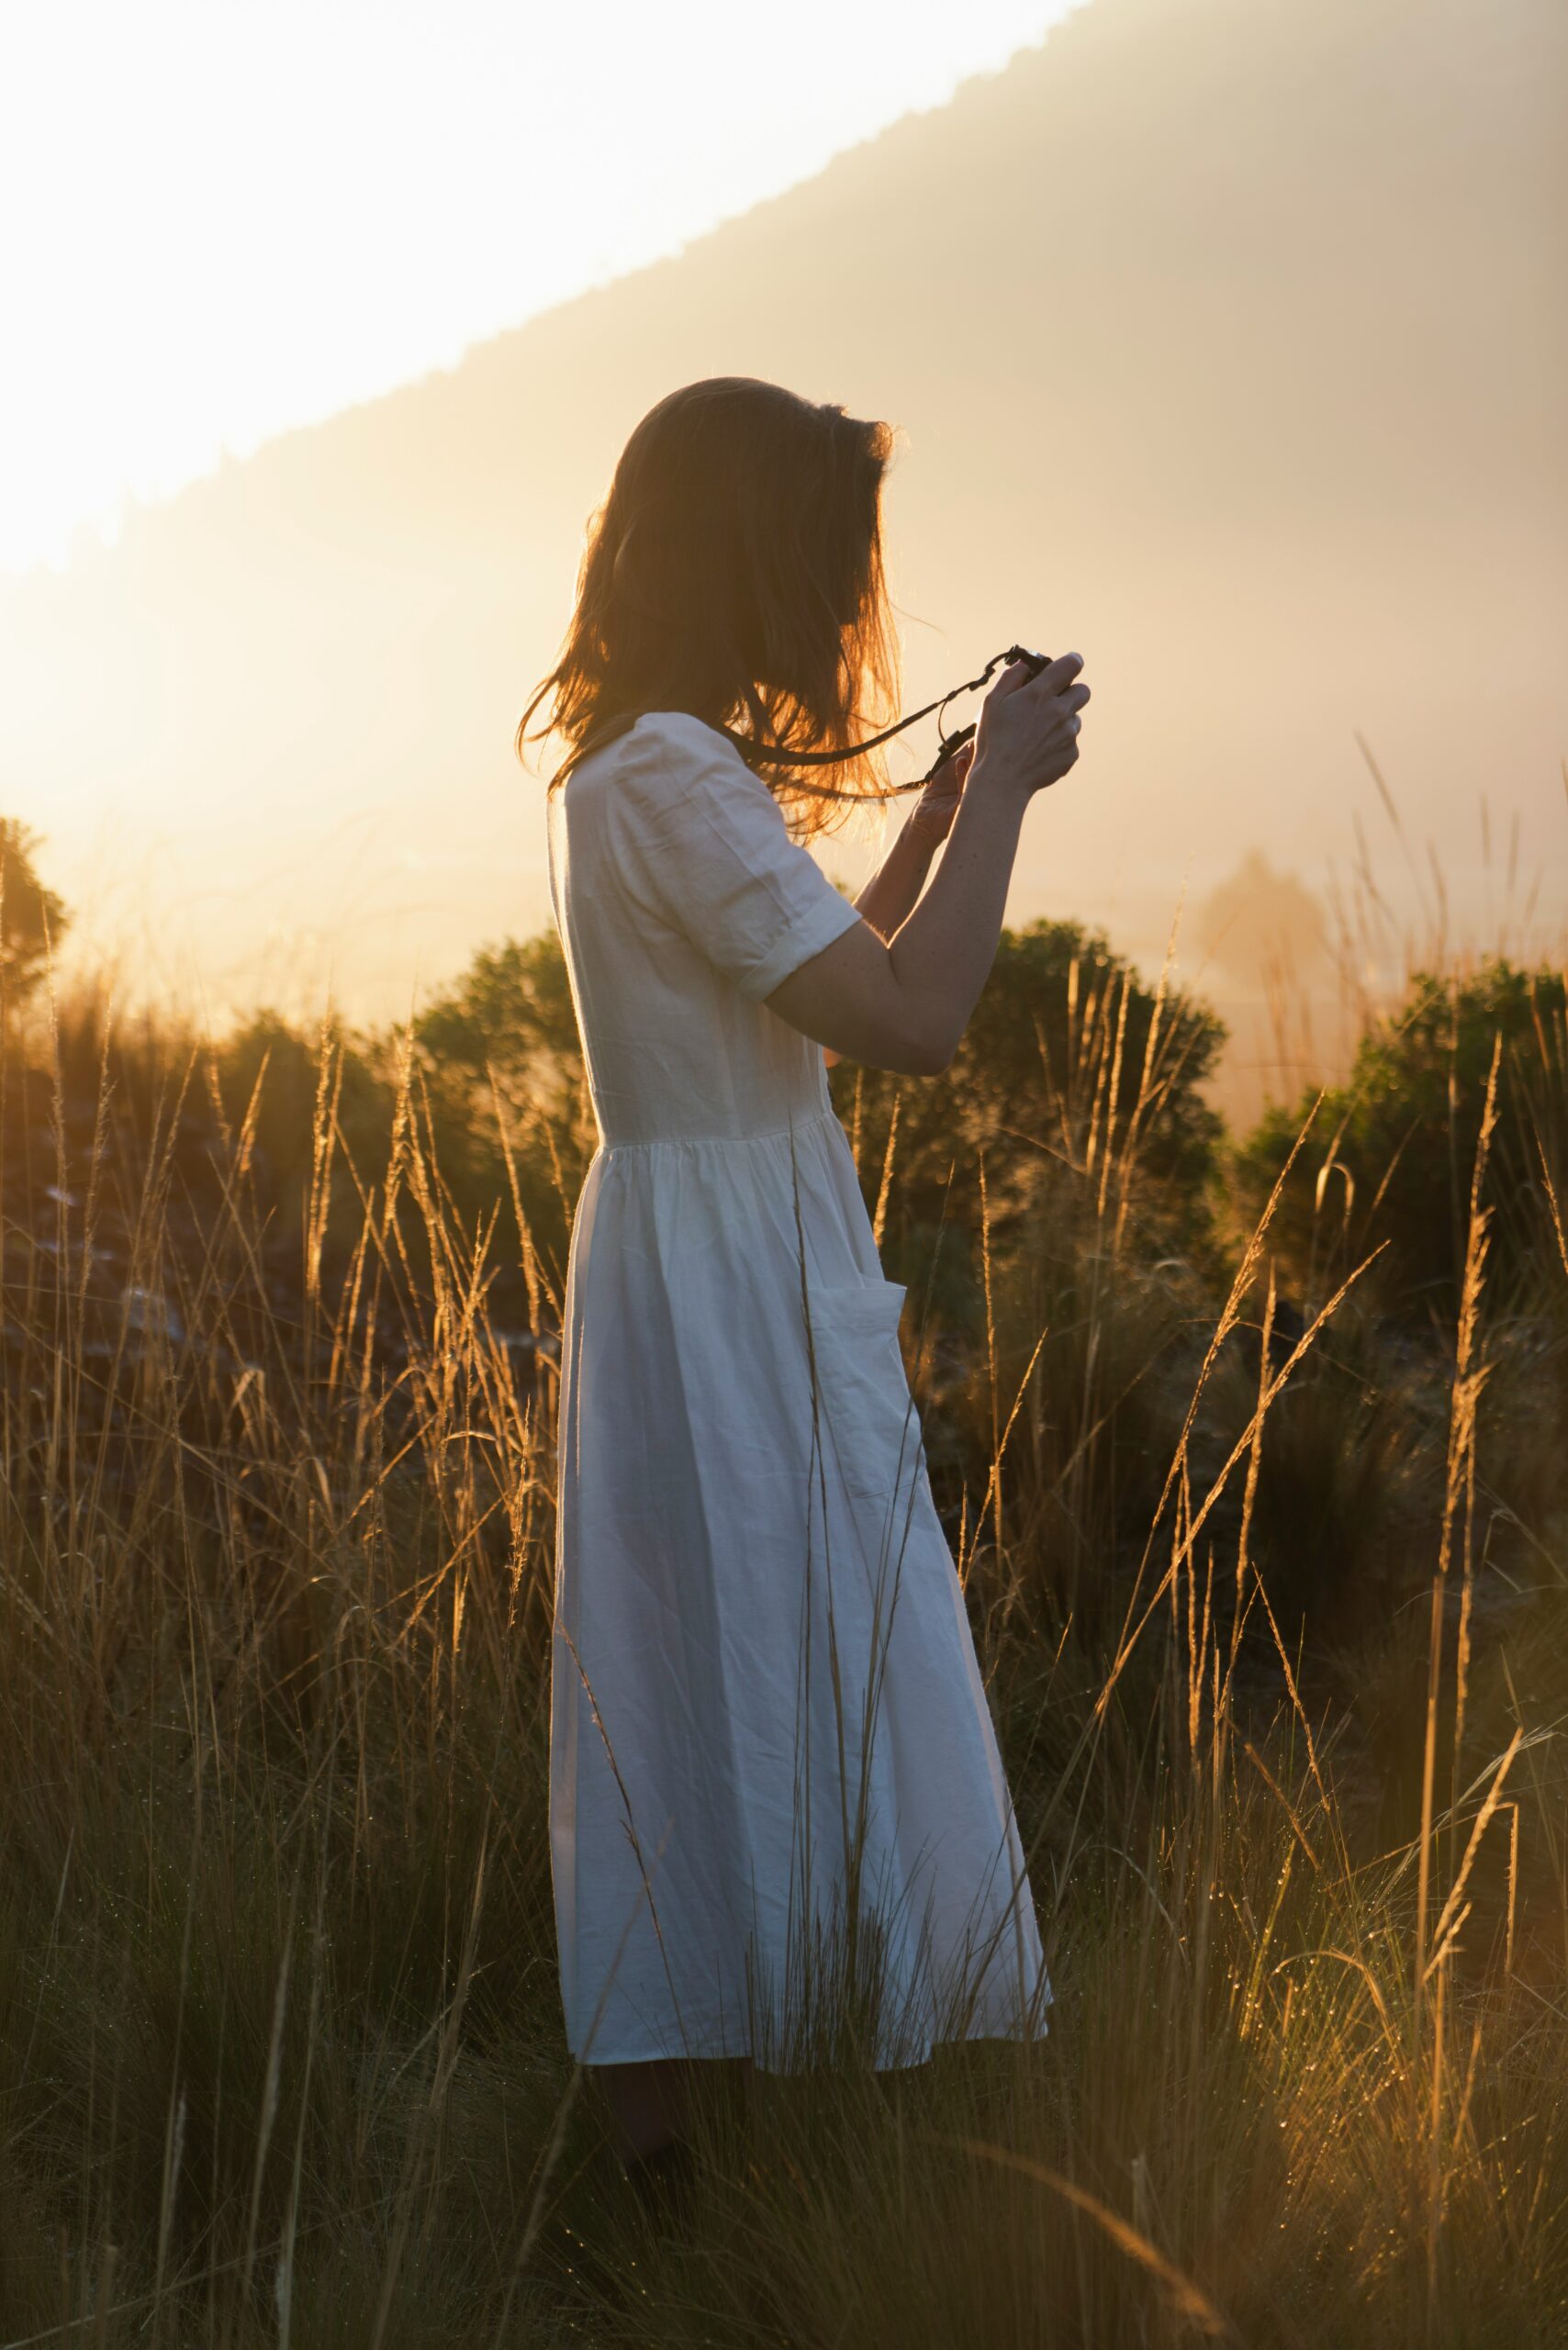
<point x="1263" y="1529"/>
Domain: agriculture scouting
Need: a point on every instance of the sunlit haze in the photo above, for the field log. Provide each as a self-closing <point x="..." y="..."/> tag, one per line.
<point x="225" y="218"/>
<point x="1225" y="339"/>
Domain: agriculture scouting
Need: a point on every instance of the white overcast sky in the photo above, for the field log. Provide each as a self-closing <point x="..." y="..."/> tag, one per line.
<point x="222" y="218"/>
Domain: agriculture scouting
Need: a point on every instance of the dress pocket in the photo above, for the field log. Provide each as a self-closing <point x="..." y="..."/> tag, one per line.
<point x="870" y="1425"/>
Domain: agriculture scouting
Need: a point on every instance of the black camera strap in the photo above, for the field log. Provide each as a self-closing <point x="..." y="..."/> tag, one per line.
<point x="755" y="754"/>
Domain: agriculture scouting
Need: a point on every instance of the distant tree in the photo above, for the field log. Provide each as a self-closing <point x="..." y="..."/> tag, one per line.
<point x="510" y="1013"/>
<point x="1257" y="922"/>
<point x="270" y="1071"/>
<point x="32" y="918"/>
<point x="1391" y="1152"/>
<point x="502" y="1063"/>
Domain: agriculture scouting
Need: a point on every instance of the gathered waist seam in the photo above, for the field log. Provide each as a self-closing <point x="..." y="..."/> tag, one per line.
<point x="709" y="1142"/>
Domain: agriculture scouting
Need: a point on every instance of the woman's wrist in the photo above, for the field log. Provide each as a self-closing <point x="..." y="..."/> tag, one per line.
<point x="994" y="780"/>
<point x="888" y="898"/>
<point x="921" y="842"/>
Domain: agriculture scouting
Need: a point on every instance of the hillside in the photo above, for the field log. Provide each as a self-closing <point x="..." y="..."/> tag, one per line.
<point x="1228" y="339"/>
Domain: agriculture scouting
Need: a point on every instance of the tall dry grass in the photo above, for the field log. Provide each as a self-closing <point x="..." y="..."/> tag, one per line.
<point x="281" y="2055"/>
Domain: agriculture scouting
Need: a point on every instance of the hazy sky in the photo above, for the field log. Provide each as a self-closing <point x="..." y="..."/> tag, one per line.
<point x="1227" y="434"/>
<point x="226" y="217"/>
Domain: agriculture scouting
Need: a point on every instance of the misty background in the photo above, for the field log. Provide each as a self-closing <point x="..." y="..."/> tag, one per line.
<point x="1227" y="340"/>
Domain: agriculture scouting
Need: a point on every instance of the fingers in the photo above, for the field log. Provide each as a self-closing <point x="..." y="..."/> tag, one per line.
<point x="1035" y="739"/>
<point x="1016" y="674"/>
<point x="948" y="780"/>
<point x="1054" y="679"/>
<point x="1063" y="708"/>
<point x="1058" y="676"/>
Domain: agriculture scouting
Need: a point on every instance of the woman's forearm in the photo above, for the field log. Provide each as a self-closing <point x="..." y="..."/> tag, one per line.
<point x="887" y="900"/>
<point x="903" y="1003"/>
<point x="889" y="896"/>
<point x="943" y="953"/>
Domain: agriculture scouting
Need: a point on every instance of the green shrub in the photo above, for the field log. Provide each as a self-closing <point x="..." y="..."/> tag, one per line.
<point x="501" y="1063"/>
<point x="1391" y="1153"/>
<point x="1070" y="1063"/>
<point x="33" y="919"/>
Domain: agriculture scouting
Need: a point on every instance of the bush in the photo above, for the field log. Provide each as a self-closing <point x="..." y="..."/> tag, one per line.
<point x="1390" y="1153"/>
<point x="501" y="1063"/>
<point x="1071" y="1066"/>
<point x="32" y="917"/>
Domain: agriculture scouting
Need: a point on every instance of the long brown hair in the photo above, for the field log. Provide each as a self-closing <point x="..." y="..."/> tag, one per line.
<point x="734" y="570"/>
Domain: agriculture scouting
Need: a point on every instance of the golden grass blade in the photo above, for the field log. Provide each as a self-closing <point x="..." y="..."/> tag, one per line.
<point x="1187" y="2299"/>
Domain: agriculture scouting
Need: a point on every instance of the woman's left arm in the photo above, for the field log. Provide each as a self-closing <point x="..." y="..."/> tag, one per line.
<point x="890" y="895"/>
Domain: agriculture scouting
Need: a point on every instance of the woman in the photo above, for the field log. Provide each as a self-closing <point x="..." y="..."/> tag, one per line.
<point x="776" y="1794"/>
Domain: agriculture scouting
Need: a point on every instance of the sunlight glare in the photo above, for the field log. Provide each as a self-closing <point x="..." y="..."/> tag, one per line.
<point x="228" y="219"/>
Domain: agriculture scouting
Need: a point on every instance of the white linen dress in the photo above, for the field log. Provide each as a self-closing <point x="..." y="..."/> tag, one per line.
<point x="773" y="1779"/>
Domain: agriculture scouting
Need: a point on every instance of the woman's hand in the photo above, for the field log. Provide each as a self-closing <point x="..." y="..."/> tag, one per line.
<point x="931" y="818"/>
<point x="899" y="997"/>
<point x="1027" y="734"/>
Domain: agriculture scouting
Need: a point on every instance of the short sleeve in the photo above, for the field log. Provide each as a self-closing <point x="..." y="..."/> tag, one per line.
<point x="703" y="842"/>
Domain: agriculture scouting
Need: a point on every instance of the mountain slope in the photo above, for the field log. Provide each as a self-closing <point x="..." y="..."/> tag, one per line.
<point x="1228" y="339"/>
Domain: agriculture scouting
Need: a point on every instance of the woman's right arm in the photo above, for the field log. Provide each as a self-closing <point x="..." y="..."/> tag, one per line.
<point x="904" y="1006"/>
